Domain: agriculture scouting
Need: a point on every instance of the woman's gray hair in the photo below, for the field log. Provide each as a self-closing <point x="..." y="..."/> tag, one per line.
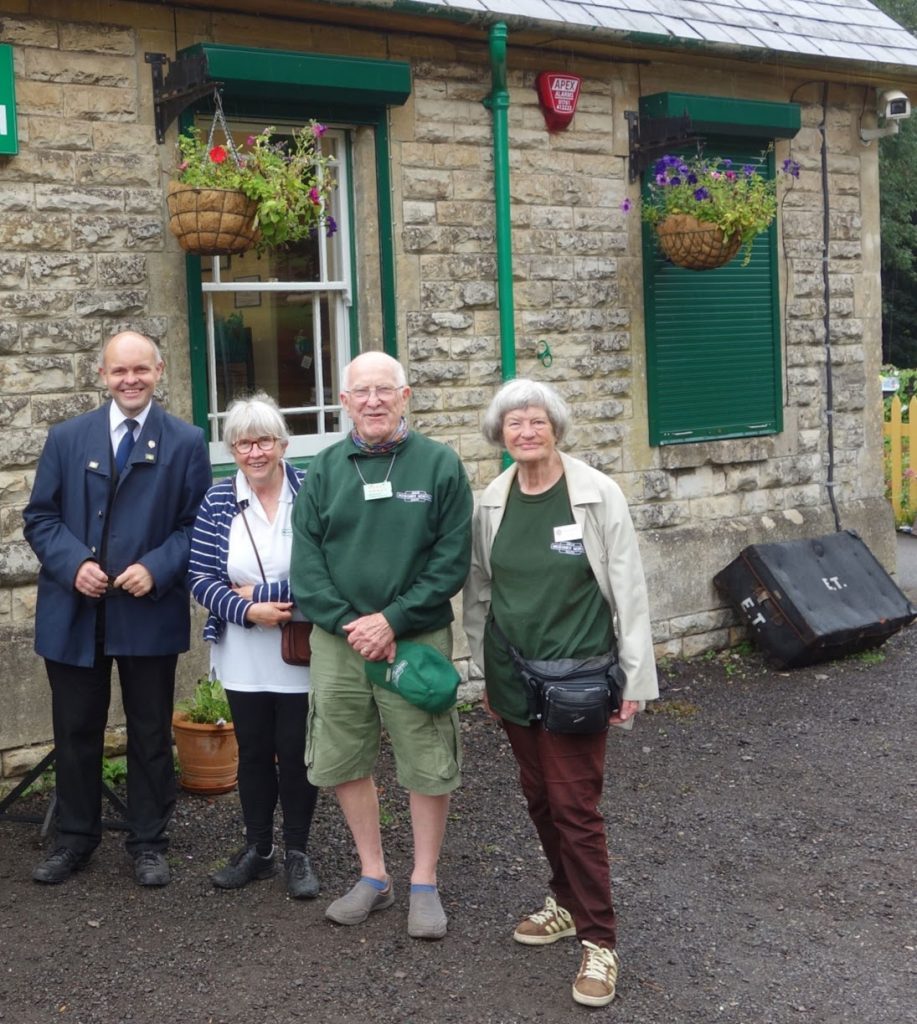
<point x="520" y="394"/>
<point x="257" y="416"/>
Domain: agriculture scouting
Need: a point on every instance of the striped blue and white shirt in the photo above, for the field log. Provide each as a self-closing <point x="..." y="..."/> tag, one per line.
<point x="208" y="579"/>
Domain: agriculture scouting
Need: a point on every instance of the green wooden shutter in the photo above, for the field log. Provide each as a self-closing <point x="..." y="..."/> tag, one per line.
<point x="713" y="336"/>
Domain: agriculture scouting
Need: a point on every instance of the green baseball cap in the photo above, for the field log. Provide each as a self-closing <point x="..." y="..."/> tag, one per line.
<point x="420" y="673"/>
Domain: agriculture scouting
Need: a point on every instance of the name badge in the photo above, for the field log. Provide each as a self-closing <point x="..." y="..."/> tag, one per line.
<point x="572" y="532"/>
<point x="373" y="492"/>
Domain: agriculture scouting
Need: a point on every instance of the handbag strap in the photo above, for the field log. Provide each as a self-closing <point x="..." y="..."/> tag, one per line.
<point x="248" y="529"/>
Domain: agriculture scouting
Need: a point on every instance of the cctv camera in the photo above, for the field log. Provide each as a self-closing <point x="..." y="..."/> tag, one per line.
<point x="893" y="105"/>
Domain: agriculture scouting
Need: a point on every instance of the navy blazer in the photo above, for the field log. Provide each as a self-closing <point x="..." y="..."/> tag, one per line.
<point x="149" y="520"/>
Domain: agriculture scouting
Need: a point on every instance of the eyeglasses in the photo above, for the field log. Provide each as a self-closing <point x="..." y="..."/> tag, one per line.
<point x="385" y="393"/>
<point x="265" y="444"/>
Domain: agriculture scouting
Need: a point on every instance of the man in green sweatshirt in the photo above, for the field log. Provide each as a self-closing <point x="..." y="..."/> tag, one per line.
<point x="381" y="543"/>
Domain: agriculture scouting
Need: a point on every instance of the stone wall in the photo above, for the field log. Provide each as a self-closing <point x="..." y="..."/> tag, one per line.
<point x="84" y="252"/>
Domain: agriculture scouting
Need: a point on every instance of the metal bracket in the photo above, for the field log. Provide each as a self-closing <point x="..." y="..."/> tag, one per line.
<point x="649" y="138"/>
<point x="186" y="80"/>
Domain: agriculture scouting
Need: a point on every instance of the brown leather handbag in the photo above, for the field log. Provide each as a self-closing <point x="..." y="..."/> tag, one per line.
<point x="295" y="636"/>
<point x="295" y="643"/>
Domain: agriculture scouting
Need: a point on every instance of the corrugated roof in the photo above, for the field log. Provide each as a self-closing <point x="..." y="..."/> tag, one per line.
<point x="846" y="30"/>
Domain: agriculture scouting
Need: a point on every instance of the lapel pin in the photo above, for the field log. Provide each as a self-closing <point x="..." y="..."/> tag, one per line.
<point x="150" y="457"/>
<point x="151" y="444"/>
<point x="93" y="464"/>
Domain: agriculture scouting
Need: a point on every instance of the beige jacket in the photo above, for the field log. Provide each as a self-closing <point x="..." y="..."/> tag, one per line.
<point x="600" y="508"/>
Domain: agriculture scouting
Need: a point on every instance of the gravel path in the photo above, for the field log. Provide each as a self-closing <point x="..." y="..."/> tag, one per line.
<point x="763" y="831"/>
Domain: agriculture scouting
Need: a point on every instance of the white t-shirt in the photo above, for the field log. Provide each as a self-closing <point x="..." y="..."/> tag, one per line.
<point x="249" y="658"/>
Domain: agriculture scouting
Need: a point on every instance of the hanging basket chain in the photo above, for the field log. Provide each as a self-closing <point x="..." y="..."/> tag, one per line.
<point x="220" y="119"/>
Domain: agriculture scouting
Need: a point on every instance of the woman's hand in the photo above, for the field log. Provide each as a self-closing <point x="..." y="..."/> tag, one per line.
<point x="627" y="710"/>
<point x="269" y="613"/>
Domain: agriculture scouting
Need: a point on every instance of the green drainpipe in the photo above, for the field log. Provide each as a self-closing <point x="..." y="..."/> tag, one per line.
<point x="498" y="103"/>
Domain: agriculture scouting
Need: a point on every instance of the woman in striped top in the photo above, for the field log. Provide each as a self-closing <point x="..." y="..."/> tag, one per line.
<point x="239" y="571"/>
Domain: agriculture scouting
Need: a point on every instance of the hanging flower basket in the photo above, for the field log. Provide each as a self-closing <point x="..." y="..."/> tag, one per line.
<point x="212" y="221"/>
<point x="695" y="244"/>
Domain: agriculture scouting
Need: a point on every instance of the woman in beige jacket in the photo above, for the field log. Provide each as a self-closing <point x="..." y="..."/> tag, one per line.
<point x="555" y="563"/>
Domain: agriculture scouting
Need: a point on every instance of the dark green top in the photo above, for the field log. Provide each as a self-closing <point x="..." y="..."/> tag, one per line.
<point x="544" y="595"/>
<point x="404" y="556"/>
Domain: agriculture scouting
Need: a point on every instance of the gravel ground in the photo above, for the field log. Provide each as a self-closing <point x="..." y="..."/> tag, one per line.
<point x="763" y="832"/>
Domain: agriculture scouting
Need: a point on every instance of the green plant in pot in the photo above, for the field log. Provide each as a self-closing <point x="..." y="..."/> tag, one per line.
<point x="270" y="191"/>
<point x="205" y="740"/>
<point x="705" y="209"/>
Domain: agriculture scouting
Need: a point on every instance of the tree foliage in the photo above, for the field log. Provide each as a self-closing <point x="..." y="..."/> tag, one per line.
<point x="897" y="163"/>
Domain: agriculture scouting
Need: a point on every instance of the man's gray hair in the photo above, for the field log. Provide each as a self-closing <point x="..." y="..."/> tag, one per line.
<point x="522" y="393"/>
<point x="254" y="417"/>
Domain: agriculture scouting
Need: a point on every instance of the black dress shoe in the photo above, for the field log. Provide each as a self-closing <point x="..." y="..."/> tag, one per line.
<point x="302" y="882"/>
<point x="151" y="868"/>
<point x="59" y="866"/>
<point x="244" y="866"/>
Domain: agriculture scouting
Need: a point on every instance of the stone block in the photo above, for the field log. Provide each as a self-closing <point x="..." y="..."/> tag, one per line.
<point x="60" y="335"/>
<point x="94" y="103"/>
<point x="18" y="564"/>
<point x="72" y="199"/>
<point x="38" y="98"/>
<point x="111" y="40"/>
<point x="114" y="234"/>
<point x="128" y="169"/>
<point x="10" y="337"/>
<point x="29" y="231"/>
<point x="21" y="761"/>
<point x="119" y="270"/>
<point x="15" y="198"/>
<point x="36" y="303"/>
<point x="55" y="133"/>
<point x="50" y="409"/>
<point x="14" y="411"/>
<point x="35" y="374"/>
<point x="69" y="68"/>
<point x="61" y="270"/>
<point x="111" y="303"/>
<point x="12" y="271"/>
<point x="23" y="601"/>
<point x="15" y="487"/>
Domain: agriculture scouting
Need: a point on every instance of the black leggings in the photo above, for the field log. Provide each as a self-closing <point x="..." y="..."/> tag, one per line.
<point x="271" y="730"/>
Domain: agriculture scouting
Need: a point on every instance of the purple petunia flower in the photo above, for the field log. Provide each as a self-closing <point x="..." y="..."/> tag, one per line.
<point x="727" y="163"/>
<point x="626" y="205"/>
<point x="692" y="178"/>
<point x="791" y="166"/>
<point x="748" y="170"/>
<point x="701" y="194"/>
<point x="674" y="180"/>
<point x="331" y="226"/>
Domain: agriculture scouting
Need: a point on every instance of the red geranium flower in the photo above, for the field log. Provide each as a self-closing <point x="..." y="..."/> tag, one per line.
<point x="217" y="154"/>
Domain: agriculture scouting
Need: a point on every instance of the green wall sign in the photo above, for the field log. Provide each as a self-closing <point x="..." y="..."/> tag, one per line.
<point x="9" y="141"/>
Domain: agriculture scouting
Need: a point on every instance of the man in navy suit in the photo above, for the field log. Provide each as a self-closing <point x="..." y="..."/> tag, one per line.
<point x="110" y="518"/>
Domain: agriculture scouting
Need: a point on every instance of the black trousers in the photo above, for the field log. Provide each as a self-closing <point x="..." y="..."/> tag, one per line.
<point x="271" y="731"/>
<point x="79" y="705"/>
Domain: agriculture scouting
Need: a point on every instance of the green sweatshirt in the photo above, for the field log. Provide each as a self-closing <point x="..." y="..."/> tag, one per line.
<point x="404" y="556"/>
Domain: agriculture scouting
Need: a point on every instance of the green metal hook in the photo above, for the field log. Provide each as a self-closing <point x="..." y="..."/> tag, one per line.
<point x="543" y="353"/>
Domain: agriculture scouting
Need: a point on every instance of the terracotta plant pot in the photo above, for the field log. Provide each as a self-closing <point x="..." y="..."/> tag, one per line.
<point x="211" y="221"/>
<point x="208" y="755"/>
<point x="695" y="244"/>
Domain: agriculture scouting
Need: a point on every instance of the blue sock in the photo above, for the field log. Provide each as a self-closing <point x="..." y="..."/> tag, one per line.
<point x="420" y="887"/>
<point x="375" y="883"/>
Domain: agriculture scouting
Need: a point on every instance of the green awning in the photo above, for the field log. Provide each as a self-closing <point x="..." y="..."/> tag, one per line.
<point x="723" y="116"/>
<point x="353" y="81"/>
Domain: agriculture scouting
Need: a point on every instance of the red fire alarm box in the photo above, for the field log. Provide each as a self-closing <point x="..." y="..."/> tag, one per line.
<point x="558" y="92"/>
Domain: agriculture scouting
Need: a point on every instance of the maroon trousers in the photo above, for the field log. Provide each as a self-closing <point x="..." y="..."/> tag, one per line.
<point x="561" y="778"/>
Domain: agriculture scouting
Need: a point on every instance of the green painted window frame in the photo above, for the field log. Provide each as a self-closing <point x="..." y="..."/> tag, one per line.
<point x="260" y="83"/>
<point x="712" y="372"/>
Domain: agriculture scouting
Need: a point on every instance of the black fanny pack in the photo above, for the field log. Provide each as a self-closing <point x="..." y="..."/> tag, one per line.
<point x="569" y="695"/>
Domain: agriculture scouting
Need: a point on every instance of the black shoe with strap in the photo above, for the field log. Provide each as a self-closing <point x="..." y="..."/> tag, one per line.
<point x="59" y="866"/>
<point x="246" y="865"/>
<point x="151" y="868"/>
